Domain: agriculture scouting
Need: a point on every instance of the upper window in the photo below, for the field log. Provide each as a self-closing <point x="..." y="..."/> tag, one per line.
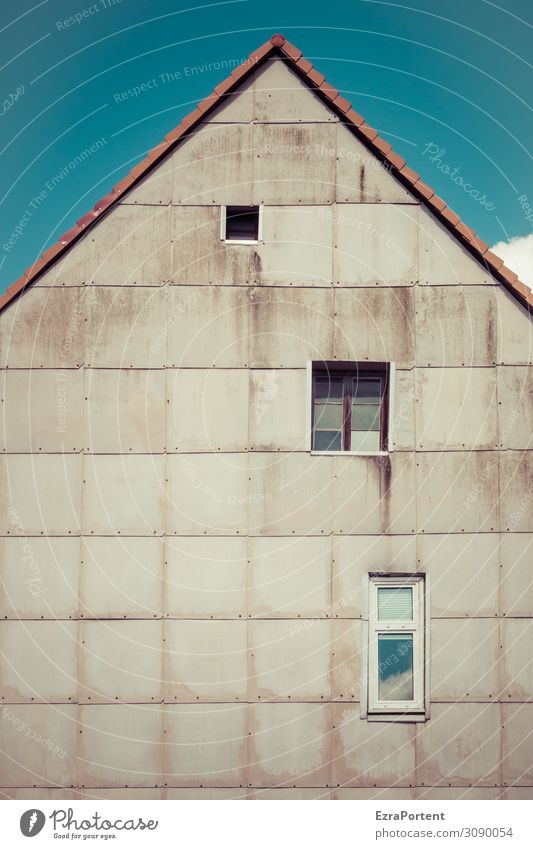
<point x="350" y="407"/>
<point x="396" y="662"/>
<point x="240" y="223"/>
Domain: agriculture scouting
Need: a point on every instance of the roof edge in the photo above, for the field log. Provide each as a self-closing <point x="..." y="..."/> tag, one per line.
<point x="381" y="149"/>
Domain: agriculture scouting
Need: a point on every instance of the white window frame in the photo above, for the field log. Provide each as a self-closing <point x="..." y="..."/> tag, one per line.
<point x="241" y="241"/>
<point x="309" y="418"/>
<point x="417" y="628"/>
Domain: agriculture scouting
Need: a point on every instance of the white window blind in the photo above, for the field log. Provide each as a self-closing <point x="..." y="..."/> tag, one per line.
<point x="395" y="604"/>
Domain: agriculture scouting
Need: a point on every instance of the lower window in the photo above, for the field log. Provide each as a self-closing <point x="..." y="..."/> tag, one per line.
<point x="396" y="645"/>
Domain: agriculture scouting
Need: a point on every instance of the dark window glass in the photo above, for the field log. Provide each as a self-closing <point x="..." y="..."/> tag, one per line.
<point x="242" y="223"/>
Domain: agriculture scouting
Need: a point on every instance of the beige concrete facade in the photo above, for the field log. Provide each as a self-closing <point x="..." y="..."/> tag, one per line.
<point x="183" y="596"/>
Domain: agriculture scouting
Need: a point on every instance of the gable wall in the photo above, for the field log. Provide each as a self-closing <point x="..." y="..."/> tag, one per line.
<point x="188" y="558"/>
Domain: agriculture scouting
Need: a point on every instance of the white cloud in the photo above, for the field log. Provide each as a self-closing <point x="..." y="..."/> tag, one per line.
<point x="517" y="254"/>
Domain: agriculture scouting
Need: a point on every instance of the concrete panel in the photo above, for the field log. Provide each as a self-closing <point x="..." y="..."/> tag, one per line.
<point x="371" y="753"/>
<point x="514" y="329"/>
<point x="347" y="659"/>
<point x="38" y="793"/>
<point x="155" y="189"/>
<point x="358" y="494"/>
<point x="517" y="661"/>
<point x="287" y="328"/>
<point x="520" y="793"/>
<point x="460" y="745"/>
<point x="516" y="486"/>
<point x="40" y="493"/>
<point x="125" y="411"/>
<point x="515" y="411"/>
<point x="214" y="166"/>
<point x="294" y="163"/>
<point x="124" y="495"/>
<point x="291" y="794"/>
<point x="208" y="410"/>
<point x="121" y="578"/>
<point x="278" y="409"/>
<point x="517" y="765"/>
<point x="376" y="244"/>
<point x="69" y="270"/>
<point x="442" y="259"/>
<point x="464" y="573"/>
<point x="120" y="745"/>
<point x="205" y="745"/>
<point x="39" y="661"/>
<point x="206" y="793"/>
<point x="207" y="493"/>
<point x="38" y="746"/>
<point x="39" y="578"/>
<point x="208" y="326"/>
<point x="236" y="108"/>
<point x="457" y="408"/>
<point x="205" y="660"/>
<point x="290" y="660"/>
<point x="41" y="410"/>
<point x="354" y="557"/>
<point x="375" y="494"/>
<point x="121" y="661"/>
<point x="205" y="577"/>
<point x="43" y="329"/>
<point x="123" y="794"/>
<point x="126" y="327"/>
<point x="290" y="494"/>
<point x="448" y="322"/>
<point x="279" y="95"/>
<point x="464" y="660"/>
<point x="401" y="436"/>
<point x="289" y="577"/>
<point x="378" y="326"/>
<point x="457" y="491"/>
<point x="289" y="745"/>
<point x="361" y="178"/>
<point x="460" y="794"/>
<point x="132" y="247"/>
<point x="296" y="248"/>
<point x="200" y="256"/>
<point x="516" y="575"/>
<point x="374" y="793"/>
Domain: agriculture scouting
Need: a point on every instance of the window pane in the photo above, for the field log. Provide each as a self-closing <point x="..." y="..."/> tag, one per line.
<point x="366" y="390"/>
<point x="395" y="603"/>
<point x="395" y="668"/>
<point x="365" y="417"/>
<point x="328" y="388"/>
<point x="362" y="440"/>
<point x="327" y="440"/>
<point x="242" y="223"/>
<point x="329" y="415"/>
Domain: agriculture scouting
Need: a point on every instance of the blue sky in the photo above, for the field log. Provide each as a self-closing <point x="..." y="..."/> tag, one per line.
<point x="453" y="74"/>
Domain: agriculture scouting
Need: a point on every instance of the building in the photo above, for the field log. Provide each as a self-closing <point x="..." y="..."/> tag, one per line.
<point x="266" y="511"/>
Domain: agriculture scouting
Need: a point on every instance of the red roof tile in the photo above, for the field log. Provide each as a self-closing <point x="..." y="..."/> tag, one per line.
<point x="278" y="45"/>
<point x="355" y="118"/>
<point x="342" y="104"/>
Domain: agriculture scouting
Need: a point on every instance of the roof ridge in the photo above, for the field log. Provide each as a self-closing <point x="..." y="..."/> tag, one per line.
<point x="279" y="45"/>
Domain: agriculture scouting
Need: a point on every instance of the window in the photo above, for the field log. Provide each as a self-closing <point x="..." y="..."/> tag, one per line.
<point x="396" y="645"/>
<point x="350" y="407"/>
<point x="240" y="224"/>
